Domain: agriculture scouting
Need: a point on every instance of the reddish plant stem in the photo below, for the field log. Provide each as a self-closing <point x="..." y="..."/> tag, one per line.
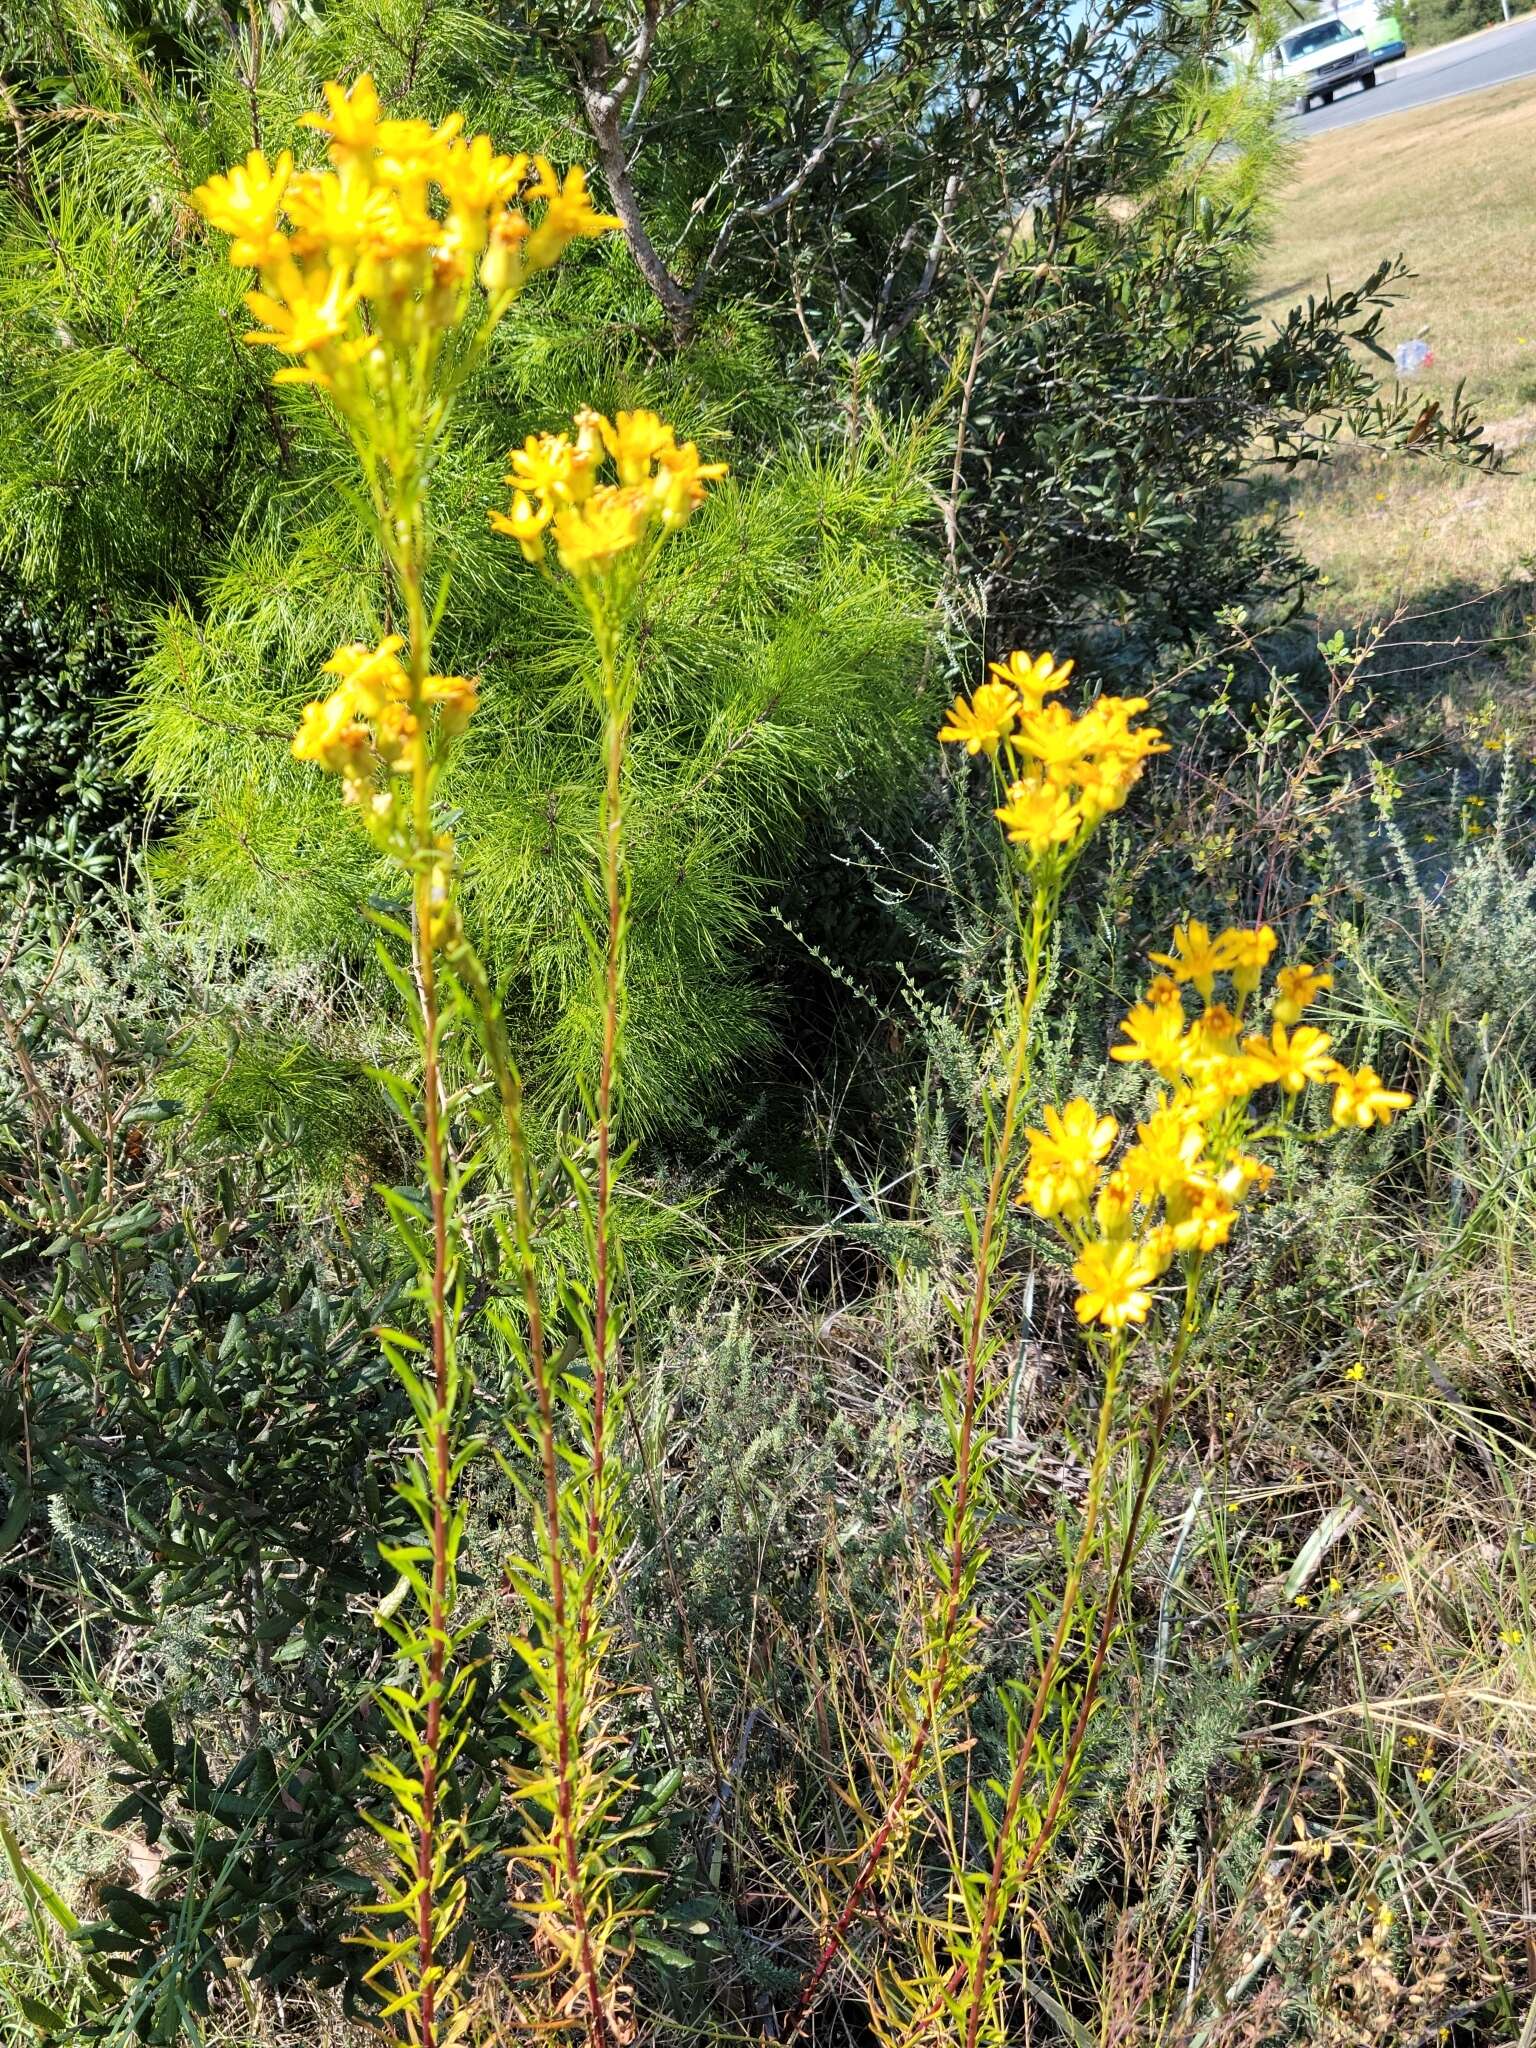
<point x="955" y="1573"/>
<point x="992" y="1910"/>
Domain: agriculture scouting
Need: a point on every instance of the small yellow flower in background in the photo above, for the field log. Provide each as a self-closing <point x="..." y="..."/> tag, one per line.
<point x="1426" y="1774"/>
<point x="1335" y="1586"/>
<point x="1356" y="1371"/>
<point x="1301" y="1600"/>
<point x="1512" y="1638"/>
<point x="1361" y="1099"/>
<point x="1296" y="988"/>
<point x="982" y="724"/>
<point x="1245" y="954"/>
<point x="1114" y="1279"/>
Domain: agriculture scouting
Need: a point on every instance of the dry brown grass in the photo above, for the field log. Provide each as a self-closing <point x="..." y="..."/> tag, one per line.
<point x="1454" y="190"/>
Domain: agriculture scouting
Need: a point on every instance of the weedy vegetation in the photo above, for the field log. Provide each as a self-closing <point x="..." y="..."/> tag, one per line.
<point x="766" y="1170"/>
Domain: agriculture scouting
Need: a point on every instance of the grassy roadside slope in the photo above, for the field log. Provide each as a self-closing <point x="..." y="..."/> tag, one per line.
<point x="1454" y="189"/>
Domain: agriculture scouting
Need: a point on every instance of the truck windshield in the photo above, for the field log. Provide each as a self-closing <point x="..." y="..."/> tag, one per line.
<point x="1307" y="40"/>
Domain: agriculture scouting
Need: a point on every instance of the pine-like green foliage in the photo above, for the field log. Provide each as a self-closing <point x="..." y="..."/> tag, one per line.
<point x="144" y="454"/>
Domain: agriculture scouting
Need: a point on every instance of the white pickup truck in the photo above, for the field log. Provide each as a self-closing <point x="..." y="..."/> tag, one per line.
<point x="1320" y="58"/>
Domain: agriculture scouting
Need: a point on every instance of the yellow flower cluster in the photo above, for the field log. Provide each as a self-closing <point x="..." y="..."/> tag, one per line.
<point x="1177" y="1189"/>
<point x="383" y="249"/>
<point x="373" y="723"/>
<point x="1061" y="774"/>
<point x="557" y="491"/>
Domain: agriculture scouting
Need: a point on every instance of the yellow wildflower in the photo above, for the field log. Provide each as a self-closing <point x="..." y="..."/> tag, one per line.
<point x="331" y="734"/>
<point x="1291" y="1060"/>
<point x="1196" y="957"/>
<point x="1031" y="678"/>
<point x="589" y="534"/>
<point x="1162" y="988"/>
<point x="1063" y="1166"/>
<point x="1114" y="1279"/>
<point x="373" y="675"/>
<point x="1362" y="1099"/>
<point x="1296" y="988"/>
<point x="352" y="123"/>
<point x="1168" y="1148"/>
<point x="244" y="203"/>
<point x="1154" y="1035"/>
<point x="678" y="487"/>
<point x="568" y="214"/>
<point x="315" y="314"/>
<point x="1038" y="816"/>
<point x="983" y="723"/>
<point x="1245" y="954"/>
<point x="552" y="466"/>
<point x="526" y="523"/>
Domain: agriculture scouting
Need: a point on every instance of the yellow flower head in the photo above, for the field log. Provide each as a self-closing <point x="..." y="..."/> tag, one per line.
<point x="526" y="523"/>
<point x="1031" y="678"/>
<point x="316" y="312"/>
<point x="1245" y="955"/>
<point x="332" y="735"/>
<point x="591" y="533"/>
<point x="1296" y="988"/>
<point x="1064" y="1158"/>
<point x="568" y="216"/>
<point x="373" y="675"/>
<point x="245" y="203"/>
<point x="1203" y="1221"/>
<point x="983" y="723"/>
<point x="1154" y="1035"/>
<point x="1114" y="1207"/>
<point x="1113" y="1279"/>
<point x="1291" y="1060"/>
<point x="636" y="441"/>
<point x="552" y="466"/>
<point x="1361" y="1099"/>
<point x="1162" y="988"/>
<point x="1196" y="957"/>
<point x="352" y="122"/>
<point x="378" y="254"/>
<point x="1167" y="1151"/>
<point x="1038" y="816"/>
<point x="555" y="485"/>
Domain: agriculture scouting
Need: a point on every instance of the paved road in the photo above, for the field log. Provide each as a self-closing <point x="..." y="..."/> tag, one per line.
<point x="1494" y="58"/>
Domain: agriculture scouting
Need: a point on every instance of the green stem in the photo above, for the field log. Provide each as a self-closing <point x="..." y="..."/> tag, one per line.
<point x="611" y="823"/>
<point x="471" y="972"/>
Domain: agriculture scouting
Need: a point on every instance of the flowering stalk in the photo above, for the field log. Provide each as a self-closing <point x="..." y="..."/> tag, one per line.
<point x="604" y="536"/>
<point x="1058" y="776"/>
<point x="371" y="280"/>
<point x="1174" y="1197"/>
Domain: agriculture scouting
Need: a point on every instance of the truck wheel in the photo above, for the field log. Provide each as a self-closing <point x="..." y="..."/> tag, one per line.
<point x="1369" y="80"/>
<point x="1304" y="104"/>
<point x="1326" y="98"/>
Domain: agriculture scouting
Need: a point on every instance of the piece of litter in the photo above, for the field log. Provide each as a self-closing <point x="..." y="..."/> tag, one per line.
<point x="1412" y="356"/>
